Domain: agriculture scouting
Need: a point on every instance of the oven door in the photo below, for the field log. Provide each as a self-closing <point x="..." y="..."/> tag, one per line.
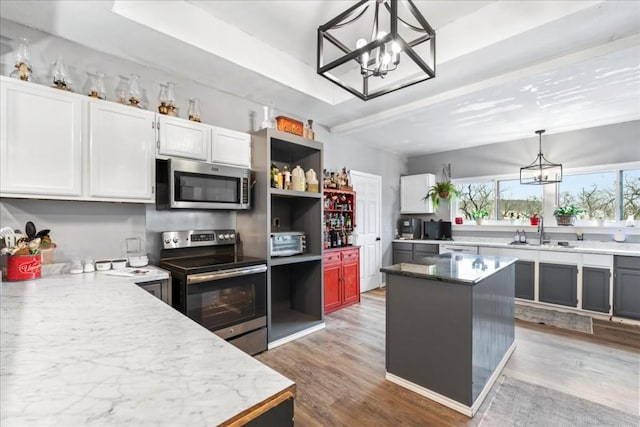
<point x="198" y="185"/>
<point x="222" y="299"/>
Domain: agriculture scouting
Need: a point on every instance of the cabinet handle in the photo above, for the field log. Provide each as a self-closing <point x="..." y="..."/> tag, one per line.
<point x="153" y="124"/>
<point x="158" y="125"/>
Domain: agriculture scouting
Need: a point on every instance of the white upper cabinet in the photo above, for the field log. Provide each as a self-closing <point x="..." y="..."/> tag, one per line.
<point x="413" y="188"/>
<point x="231" y="147"/>
<point x="183" y="138"/>
<point x="40" y="141"/>
<point x="121" y="152"/>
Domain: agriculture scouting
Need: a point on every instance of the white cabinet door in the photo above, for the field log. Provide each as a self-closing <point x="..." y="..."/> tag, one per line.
<point x="40" y="142"/>
<point x="121" y="152"/>
<point x="413" y="188"/>
<point x="183" y="138"/>
<point x="231" y="147"/>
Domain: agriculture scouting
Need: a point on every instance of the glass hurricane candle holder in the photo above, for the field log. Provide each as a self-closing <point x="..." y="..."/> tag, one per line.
<point x="122" y="89"/>
<point x="162" y="99"/>
<point x="23" y="61"/>
<point x="194" y="110"/>
<point x="134" y="90"/>
<point x="171" y="99"/>
<point x="60" y="75"/>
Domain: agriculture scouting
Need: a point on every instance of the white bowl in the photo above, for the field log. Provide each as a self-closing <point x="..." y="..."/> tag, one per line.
<point x="119" y="264"/>
<point x="103" y="265"/>
<point x="138" y="261"/>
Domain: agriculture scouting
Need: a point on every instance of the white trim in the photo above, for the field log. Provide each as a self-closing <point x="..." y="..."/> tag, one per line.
<point x="469" y="411"/>
<point x="292" y="337"/>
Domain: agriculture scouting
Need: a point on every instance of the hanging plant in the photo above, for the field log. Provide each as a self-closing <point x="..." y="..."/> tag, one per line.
<point x="441" y="190"/>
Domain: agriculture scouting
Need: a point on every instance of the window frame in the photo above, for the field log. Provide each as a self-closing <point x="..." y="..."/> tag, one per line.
<point x="550" y="194"/>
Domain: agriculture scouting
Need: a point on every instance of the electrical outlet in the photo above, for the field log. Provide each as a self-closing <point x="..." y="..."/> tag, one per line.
<point x="276" y="222"/>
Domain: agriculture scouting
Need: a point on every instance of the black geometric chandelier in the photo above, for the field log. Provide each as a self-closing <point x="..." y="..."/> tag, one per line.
<point x="377" y="47"/>
<point x="541" y="171"/>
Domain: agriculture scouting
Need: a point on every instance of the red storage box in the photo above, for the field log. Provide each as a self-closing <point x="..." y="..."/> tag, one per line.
<point x="21" y="267"/>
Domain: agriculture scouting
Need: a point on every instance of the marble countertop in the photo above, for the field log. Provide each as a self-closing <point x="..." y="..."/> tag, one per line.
<point x="584" y="246"/>
<point x="93" y="349"/>
<point x="454" y="268"/>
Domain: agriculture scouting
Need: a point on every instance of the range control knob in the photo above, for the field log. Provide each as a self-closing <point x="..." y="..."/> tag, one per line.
<point x="226" y="236"/>
<point x="167" y="240"/>
<point x="221" y="236"/>
<point x="176" y="240"/>
<point x="233" y="236"/>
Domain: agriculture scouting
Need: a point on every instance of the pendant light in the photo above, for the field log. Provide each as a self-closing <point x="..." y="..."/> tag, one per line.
<point x="541" y="171"/>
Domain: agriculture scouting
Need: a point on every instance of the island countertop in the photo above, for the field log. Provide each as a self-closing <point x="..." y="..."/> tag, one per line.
<point x="455" y="268"/>
<point x="93" y="349"/>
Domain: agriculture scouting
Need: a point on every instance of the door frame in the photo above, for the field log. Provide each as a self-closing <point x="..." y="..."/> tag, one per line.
<point x="379" y="215"/>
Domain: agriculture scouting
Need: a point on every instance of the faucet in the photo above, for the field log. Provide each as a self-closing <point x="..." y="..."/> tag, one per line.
<point x="541" y="231"/>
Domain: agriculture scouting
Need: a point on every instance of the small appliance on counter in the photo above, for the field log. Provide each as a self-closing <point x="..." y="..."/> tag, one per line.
<point x="135" y="253"/>
<point x="288" y="243"/>
<point x="437" y="230"/>
<point x="410" y="228"/>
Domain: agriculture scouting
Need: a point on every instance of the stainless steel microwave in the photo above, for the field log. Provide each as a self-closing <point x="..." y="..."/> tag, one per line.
<point x="187" y="184"/>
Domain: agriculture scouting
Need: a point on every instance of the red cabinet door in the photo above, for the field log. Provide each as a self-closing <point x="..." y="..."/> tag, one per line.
<point x="351" y="282"/>
<point x="332" y="287"/>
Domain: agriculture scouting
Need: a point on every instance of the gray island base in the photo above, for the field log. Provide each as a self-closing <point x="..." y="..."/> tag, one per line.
<point x="450" y="326"/>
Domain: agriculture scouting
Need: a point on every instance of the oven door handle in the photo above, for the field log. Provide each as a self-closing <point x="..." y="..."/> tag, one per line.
<point x="226" y="274"/>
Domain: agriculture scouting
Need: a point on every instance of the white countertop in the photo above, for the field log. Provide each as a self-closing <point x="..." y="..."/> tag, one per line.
<point x="93" y="349"/>
<point x="584" y="246"/>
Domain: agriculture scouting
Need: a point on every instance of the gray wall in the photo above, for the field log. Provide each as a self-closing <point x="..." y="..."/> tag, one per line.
<point x="617" y="143"/>
<point x="218" y="108"/>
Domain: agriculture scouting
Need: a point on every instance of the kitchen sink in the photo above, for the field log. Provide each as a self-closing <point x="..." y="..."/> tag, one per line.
<point x="550" y="245"/>
<point x="519" y="243"/>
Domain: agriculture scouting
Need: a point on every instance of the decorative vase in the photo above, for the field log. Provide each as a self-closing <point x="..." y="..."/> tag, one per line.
<point x="479" y="221"/>
<point x="534" y="221"/>
<point x="565" y="219"/>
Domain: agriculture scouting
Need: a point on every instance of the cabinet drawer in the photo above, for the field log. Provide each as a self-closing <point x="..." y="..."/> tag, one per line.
<point x="559" y="257"/>
<point x="403" y="246"/>
<point x="351" y="255"/>
<point x="593" y="260"/>
<point x="332" y="257"/>
<point x="631" y="262"/>
<point x="425" y="247"/>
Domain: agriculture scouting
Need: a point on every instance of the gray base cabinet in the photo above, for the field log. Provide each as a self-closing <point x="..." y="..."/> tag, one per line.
<point x="595" y="289"/>
<point x="626" y="294"/>
<point x="160" y="289"/>
<point x="409" y="252"/>
<point x="558" y="284"/>
<point x="525" y="279"/>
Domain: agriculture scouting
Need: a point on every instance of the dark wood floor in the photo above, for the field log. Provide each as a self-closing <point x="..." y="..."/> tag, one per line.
<point x="339" y="371"/>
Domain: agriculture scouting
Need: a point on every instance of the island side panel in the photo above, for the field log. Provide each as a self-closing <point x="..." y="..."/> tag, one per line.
<point x="428" y="336"/>
<point x="493" y="325"/>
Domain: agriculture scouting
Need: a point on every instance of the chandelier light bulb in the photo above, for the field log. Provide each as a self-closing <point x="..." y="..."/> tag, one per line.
<point x="386" y="59"/>
<point x="381" y="34"/>
<point x="395" y="47"/>
<point x="360" y="43"/>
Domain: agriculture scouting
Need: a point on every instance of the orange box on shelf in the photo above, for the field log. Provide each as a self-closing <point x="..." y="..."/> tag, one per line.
<point x="287" y="124"/>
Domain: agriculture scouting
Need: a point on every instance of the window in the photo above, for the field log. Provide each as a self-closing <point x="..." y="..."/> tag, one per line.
<point x="593" y="192"/>
<point x="475" y="198"/>
<point x="518" y="201"/>
<point x="630" y="193"/>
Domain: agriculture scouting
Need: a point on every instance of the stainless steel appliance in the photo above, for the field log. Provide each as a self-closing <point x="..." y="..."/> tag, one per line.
<point x="187" y="184"/>
<point x="218" y="288"/>
<point x="410" y="228"/>
<point x="287" y="243"/>
<point x="437" y="230"/>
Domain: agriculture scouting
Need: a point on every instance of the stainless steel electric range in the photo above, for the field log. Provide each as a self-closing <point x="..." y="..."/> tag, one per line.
<point x="215" y="286"/>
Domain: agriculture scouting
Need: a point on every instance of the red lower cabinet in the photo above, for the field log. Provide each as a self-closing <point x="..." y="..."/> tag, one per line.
<point x="341" y="278"/>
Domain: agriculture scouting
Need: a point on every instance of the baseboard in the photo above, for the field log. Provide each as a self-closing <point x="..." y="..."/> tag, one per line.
<point x="295" y="336"/>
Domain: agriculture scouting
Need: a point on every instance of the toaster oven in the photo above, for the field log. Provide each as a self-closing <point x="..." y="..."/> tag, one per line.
<point x="288" y="243"/>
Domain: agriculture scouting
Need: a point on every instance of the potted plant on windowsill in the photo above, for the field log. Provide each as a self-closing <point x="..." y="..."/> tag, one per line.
<point x="566" y="215"/>
<point x="441" y="190"/>
<point x="535" y="219"/>
<point x="479" y="216"/>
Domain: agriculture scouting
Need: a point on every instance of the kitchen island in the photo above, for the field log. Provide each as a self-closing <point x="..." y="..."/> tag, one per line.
<point x="93" y="349"/>
<point x="450" y="326"/>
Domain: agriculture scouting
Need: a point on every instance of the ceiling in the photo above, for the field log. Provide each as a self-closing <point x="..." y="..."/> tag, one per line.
<point x="504" y="68"/>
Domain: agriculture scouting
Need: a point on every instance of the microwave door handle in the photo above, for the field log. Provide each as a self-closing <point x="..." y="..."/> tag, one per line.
<point x="227" y="274"/>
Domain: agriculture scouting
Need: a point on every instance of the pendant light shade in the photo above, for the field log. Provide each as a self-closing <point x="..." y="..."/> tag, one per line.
<point x="376" y="47"/>
<point x="541" y="171"/>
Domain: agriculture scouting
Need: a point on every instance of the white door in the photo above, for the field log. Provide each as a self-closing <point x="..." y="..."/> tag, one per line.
<point x="368" y="190"/>
<point x="231" y="147"/>
<point x="121" y="152"/>
<point x="183" y="138"/>
<point x="40" y="141"/>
